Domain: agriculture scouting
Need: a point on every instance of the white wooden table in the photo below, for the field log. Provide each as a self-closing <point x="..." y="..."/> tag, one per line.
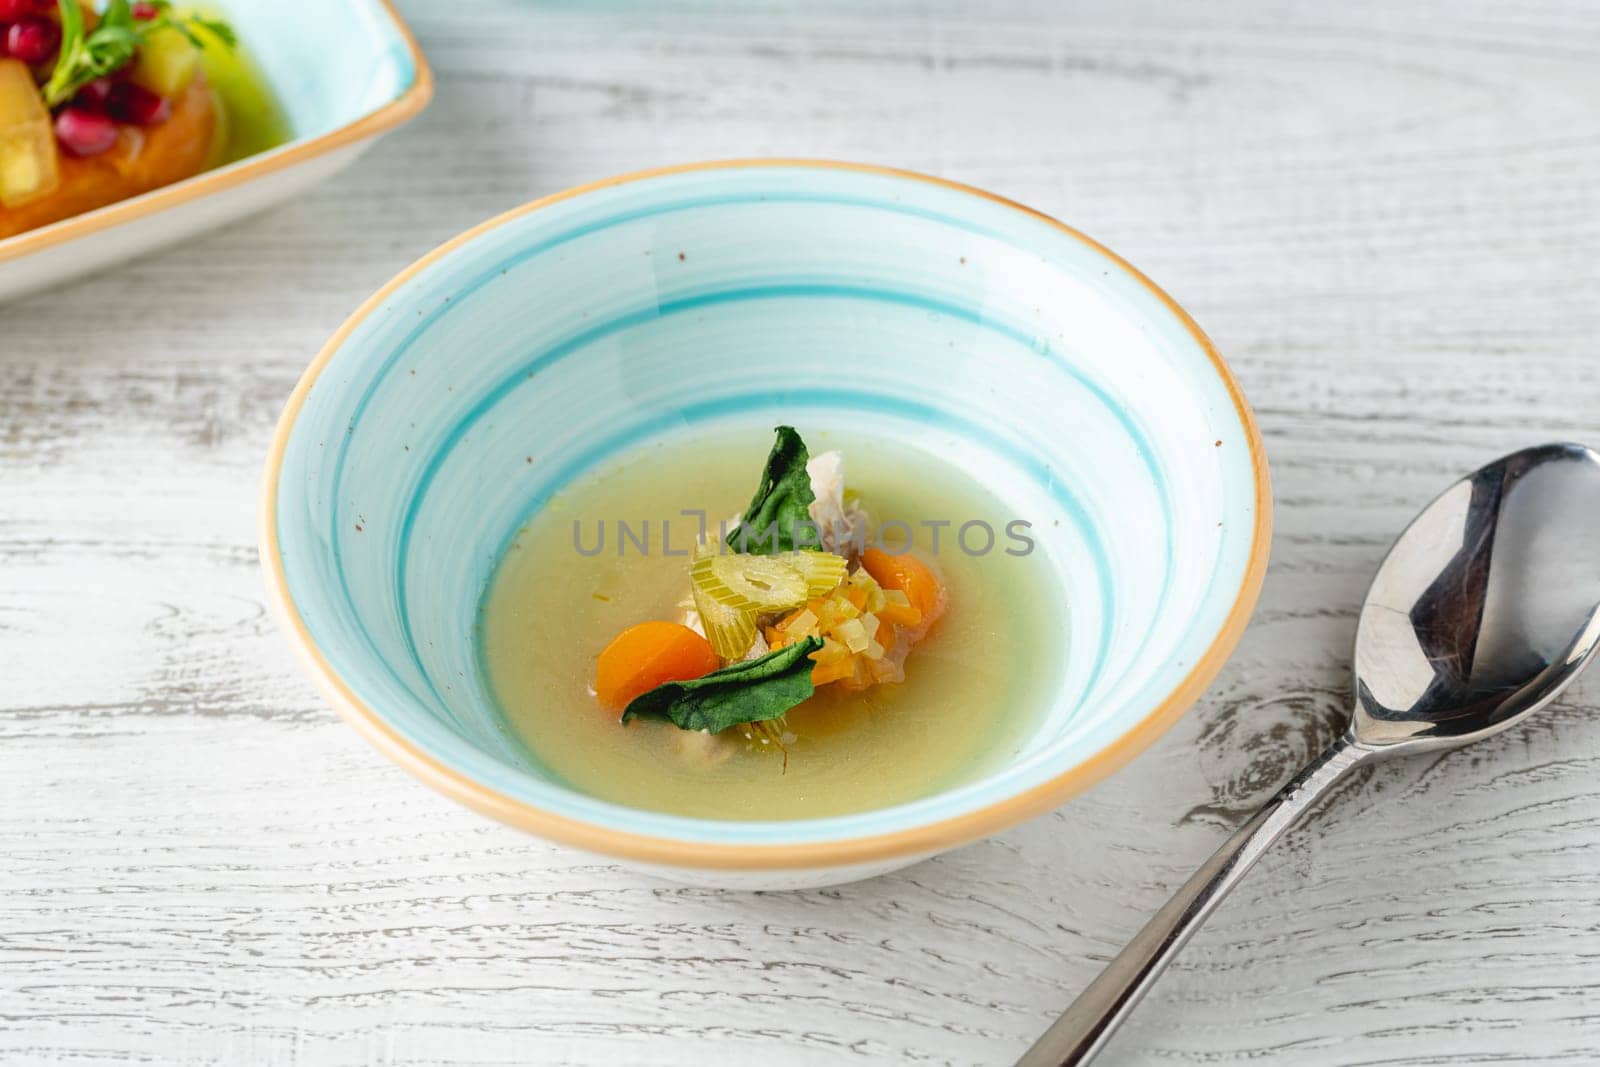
<point x="1387" y="216"/>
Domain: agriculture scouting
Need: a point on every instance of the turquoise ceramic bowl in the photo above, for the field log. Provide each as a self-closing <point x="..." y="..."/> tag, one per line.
<point x="594" y="321"/>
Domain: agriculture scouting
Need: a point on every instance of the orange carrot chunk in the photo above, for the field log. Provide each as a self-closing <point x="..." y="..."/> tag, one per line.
<point x="647" y="655"/>
<point x="908" y="574"/>
<point x="898" y="615"/>
<point x="823" y="673"/>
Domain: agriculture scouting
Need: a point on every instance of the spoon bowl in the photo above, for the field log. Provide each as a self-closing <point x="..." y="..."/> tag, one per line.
<point x="1487" y="606"/>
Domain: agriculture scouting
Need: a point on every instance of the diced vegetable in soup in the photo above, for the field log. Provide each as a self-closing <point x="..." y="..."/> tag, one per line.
<point x="819" y="652"/>
<point x="98" y="104"/>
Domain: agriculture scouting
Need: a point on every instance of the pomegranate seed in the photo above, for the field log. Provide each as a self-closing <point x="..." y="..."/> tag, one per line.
<point x="83" y="133"/>
<point x="145" y="11"/>
<point x="33" y="39"/>
<point x="14" y="9"/>
<point x="92" y="97"/>
<point x="131" y="102"/>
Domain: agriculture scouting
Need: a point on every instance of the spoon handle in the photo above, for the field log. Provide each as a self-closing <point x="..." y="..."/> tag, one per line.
<point x="1089" y="1022"/>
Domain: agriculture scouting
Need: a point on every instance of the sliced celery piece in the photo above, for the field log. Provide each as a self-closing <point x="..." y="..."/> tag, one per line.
<point x="730" y="630"/>
<point x="854" y="635"/>
<point x="749" y="583"/>
<point x="802" y="623"/>
<point x="823" y="571"/>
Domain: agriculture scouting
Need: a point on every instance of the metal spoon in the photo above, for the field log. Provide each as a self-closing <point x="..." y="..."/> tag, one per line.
<point x="1485" y="609"/>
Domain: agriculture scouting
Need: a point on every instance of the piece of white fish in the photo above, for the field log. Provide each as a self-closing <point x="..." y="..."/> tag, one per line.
<point x="841" y="528"/>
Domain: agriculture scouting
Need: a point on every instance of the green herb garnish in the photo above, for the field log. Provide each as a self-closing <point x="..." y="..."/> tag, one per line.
<point x="115" y="40"/>
<point x="753" y="691"/>
<point x="779" y="516"/>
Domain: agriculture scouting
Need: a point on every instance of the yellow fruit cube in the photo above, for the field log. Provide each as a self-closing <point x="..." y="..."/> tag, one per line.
<point x="28" y="163"/>
<point x="168" y="62"/>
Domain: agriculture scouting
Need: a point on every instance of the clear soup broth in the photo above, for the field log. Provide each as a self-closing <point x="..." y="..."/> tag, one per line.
<point x="972" y="685"/>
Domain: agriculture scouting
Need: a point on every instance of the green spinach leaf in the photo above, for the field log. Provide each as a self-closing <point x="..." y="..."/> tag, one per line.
<point x="779" y="516"/>
<point x="752" y="691"/>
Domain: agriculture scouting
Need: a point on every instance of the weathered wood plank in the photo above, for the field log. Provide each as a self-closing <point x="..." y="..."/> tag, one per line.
<point x="1386" y="215"/>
